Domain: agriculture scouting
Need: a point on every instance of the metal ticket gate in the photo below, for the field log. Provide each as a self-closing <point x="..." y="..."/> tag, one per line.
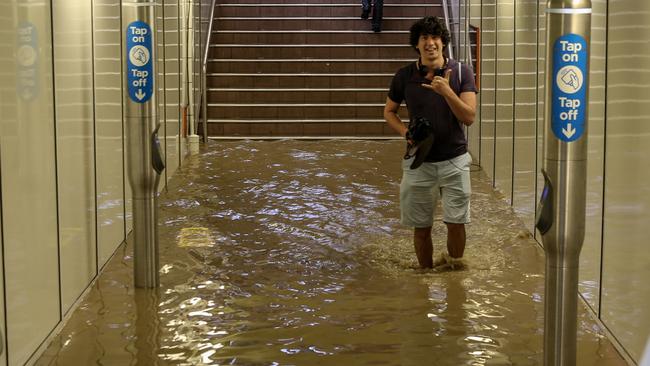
<point x="144" y="157"/>
<point x="561" y="211"/>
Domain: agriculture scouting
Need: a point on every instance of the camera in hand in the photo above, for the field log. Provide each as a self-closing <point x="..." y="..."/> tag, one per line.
<point x="419" y="129"/>
<point x="420" y="138"/>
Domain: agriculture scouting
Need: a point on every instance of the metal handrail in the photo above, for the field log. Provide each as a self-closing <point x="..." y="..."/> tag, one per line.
<point x="446" y="12"/>
<point x="202" y="104"/>
<point x="207" y="42"/>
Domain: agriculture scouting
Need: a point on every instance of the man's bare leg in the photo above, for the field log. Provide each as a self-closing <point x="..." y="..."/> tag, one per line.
<point x="423" y="246"/>
<point x="455" y="240"/>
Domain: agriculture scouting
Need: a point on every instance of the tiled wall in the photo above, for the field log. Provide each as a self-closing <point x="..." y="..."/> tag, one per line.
<point x="504" y="105"/>
<point x="524" y="166"/>
<point x="615" y="261"/>
<point x="474" y="132"/>
<point x="625" y="293"/>
<point x="65" y="202"/>
<point x="29" y="179"/>
<point x="172" y="65"/>
<point x="75" y="146"/>
<point x="591" y="250"/>
<point x="108" y="128"/>
<point x="486" y="124"/>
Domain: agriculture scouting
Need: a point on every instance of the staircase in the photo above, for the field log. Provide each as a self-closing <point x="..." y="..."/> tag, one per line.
<point x="306" y="68"/>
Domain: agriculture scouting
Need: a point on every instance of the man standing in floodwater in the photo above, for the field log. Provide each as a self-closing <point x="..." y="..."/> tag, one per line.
<point x="440" y="96"/>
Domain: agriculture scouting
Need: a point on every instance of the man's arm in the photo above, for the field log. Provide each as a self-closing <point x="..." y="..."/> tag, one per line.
<point x="391" y="117"/>
<point x="463" y="106"/>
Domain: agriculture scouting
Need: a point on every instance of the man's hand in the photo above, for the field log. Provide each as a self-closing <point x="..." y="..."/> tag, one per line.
<point x="440" y="84"/>
<point x="409" y="138"/>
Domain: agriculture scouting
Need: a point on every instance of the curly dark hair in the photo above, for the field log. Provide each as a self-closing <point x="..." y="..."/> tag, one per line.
<point x="429" y="25"/>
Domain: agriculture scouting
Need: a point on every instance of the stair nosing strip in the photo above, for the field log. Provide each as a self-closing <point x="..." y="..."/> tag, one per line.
<point x="323" y="137"/>
<point x="297" y="120"/>
<point x="310" y="60"/>
<point x="311" y="18"/>
<point x="322" y="5"/>
<point x="320" y="45"/>
<point x="296" y="89"/>
<point x="307" y="31"/>
<point x="294" y="75"/>
<point x="295" y="105"/>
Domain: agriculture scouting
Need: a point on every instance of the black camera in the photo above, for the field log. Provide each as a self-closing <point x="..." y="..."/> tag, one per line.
<point x="419" y="129"/>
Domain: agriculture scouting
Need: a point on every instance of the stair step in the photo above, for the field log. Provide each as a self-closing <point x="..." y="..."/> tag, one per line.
<point x="302" y="128"/>
<point x="257" y="51"/>
<point x="286" y="18"/>
<point x="321" y="4"/>
<point x="308" y="66"/>
<point x="298" y="110"/>
<point x="306" y="23"/>
<point x="310" y="37"/>
<point x="298" y="81"/>
<point x="297" y="95"/>
<point x="260" y="120"/>
<point x="289" y="105"/>
<point x="325" y="3"/>
<point x="322" y="10"/>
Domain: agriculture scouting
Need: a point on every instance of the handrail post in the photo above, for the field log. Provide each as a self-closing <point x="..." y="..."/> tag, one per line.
<point x="446" y="12"/>
<point x="203" y="103"/>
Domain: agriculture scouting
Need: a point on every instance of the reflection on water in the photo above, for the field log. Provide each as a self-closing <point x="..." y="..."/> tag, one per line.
<point x="290" y="253"/>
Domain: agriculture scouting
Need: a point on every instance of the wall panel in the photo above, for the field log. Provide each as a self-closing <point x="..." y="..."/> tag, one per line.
<point x="504" y="97"/>
<point x="591" y="249"/>
<point x="108" y="130"/>
<point x="160" y="79"/>
<point x="626" y="258"/>
<point x="73" y="70"/>
<point x="128" y="193"/>
<point x="525" y="127"/>
<point x="172" y="87"/>
<point x="29" y="204"/>
<point x="541" y="97"/>
<point x="7" y="79"/>
<point x="474" y="131"/>
<point x="3" y="323"/>
<point x="488" y="78"/>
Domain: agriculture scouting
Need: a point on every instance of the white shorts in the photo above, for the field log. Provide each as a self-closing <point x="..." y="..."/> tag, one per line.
<point x="421" y="188"/>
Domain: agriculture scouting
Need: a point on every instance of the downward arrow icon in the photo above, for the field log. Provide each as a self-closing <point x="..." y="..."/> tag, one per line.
<point x="569" y="131"/>
<point x="141" y="95"/>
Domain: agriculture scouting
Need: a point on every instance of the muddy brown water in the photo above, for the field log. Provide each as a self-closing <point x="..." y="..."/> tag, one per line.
<point x="291" y="253"/>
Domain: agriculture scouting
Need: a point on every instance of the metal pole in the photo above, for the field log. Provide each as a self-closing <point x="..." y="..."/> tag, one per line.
<point x="145" y="163"/>
<point x="446" y="13"/>
<point x="561" y="212"/>
<point x="204" y="104"/>
<point x="204" y="66"/>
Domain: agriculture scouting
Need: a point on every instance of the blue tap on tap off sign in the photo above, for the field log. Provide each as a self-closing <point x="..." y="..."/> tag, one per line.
<point x="139" y="63"/>
<point x="569" y="98"/>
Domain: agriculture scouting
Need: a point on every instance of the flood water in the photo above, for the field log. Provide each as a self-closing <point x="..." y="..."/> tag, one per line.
<point x="291" y="253"/>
